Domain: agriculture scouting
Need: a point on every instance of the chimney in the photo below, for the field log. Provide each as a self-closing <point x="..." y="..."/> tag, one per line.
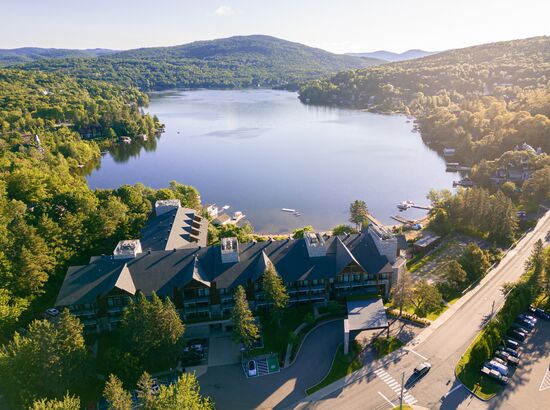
<point x="315" y="244"/>
<point x="127" y="249"/>
<point x="166" y="205"/>
<point x="230" y="250"/>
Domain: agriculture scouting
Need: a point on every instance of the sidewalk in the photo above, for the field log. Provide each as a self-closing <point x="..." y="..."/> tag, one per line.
<point x="359" y="374"/>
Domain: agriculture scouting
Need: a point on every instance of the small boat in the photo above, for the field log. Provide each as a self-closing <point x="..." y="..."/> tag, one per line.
<point x="225" y="207"/>
<point x="288" y="210"/>
<point x="404" y="205"/>
<point x="297" y="214"/>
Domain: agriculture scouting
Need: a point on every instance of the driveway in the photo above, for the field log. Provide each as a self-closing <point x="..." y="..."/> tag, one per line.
<point x="229" y="389"/>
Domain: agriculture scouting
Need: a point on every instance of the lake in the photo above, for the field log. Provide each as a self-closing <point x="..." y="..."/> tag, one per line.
<point x="262" y="150"/>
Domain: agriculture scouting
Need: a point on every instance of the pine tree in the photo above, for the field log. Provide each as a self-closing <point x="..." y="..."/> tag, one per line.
<point x="68" y="403"/>
<point x="117" y="398"/>
<point x="359" y="213"/>
<point x="245" y="329"/>
<point x="184" y="394"/>
<point x="152" y="327"/>
<point x="274" y="289"/>
<point x="145" y="391"/>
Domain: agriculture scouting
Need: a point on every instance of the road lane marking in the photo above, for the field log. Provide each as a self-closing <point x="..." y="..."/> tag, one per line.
<point x="395" y="386"/>
<point x="453" y="390"/>
<point x="545" y="384"/>
<point x="388" y="400"/>
<point x="418" y="354"/>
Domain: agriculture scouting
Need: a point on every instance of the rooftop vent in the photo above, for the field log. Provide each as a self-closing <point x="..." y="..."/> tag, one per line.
<point x="166" y="205"/>
<point x="315" y="244"/>
<point x="230" y="250"/>
<point x="127" y="249"/>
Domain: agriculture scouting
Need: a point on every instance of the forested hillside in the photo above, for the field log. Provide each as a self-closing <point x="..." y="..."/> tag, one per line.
<point x="242" y="61"/>
<point x="48" y="215"/>
<point x="483" y="101"/>
<point x="29" y="54"/>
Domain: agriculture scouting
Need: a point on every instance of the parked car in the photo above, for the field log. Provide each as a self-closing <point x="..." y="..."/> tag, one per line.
<point x="498" y="366"/>
<point x="524" y="322"/>
<point x="511" y="352"/>
<point x="511" y="360"/>
<point x="493" y="374"/>
<point x="517" y="334"/>
<point x="52" y="312"/>
<point x="528" y="317"/>
<point x="512" y="344"/>
<point x="539" y="313"/>
<point x="521" y="328"/>
<point x="252" y="368"/>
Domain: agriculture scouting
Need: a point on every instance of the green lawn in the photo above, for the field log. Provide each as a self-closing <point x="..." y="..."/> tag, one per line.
<point x="276" y="336"/>
<point x="469" y="374"/>
<point x="385" y="346"/>
<point x="341" y="366"/>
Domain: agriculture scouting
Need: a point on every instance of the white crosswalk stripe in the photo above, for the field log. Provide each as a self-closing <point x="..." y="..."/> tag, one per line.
<point x="396" y="386"/>
<point x="545" y="384"/>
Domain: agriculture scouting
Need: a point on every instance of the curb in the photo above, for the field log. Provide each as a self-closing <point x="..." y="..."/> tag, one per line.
<point x="471" y="392"/>
<point x="304" y="339"/>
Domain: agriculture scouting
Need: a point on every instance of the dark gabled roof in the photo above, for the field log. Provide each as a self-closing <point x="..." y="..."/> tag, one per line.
<point x="174" y="230"/>
<point x="163" y="271"/>
<point x="363" y="248"/>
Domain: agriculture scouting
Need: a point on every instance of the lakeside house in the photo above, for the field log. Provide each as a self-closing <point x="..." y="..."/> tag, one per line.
<point x="200" y="280"/>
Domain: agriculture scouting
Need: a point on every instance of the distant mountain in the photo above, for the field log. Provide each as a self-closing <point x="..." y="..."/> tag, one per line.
<point x="29" y="54"/>
<point x="393" y="57"/>
<point x="240" y="61"/>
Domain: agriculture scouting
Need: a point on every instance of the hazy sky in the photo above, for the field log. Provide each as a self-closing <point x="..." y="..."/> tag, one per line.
<point x="338" y="26"/>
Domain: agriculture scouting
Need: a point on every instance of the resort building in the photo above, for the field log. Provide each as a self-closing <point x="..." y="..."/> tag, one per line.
<point x="200" y="280"/>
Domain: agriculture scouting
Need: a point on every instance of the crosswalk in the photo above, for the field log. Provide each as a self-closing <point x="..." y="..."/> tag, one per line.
<point x="395" y="386"/>
<point x="545" y="381"/>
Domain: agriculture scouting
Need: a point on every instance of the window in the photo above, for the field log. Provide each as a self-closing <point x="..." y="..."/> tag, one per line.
<point x="203" y="292"/>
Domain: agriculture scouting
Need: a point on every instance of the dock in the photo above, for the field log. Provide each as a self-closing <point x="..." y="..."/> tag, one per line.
<point x="425" y="207"/>
<point x="403" y="220"/>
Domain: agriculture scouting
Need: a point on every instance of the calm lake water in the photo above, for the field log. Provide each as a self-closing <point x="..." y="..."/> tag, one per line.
<point x="262" y="150"/>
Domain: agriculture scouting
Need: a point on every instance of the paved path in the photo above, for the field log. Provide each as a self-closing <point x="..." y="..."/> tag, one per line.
<point x="229" y="389"/>
<point x="442" y="344"/>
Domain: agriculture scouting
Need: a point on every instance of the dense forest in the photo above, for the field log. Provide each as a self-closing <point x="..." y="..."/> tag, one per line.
<point x="29" y="54"/>
<point x="482" y="101"/>
<point x="48" y="215"/>
<point x="241" y="61"/>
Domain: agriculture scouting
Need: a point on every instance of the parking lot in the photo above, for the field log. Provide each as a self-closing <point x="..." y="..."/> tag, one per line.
<point x="529" y="385"/>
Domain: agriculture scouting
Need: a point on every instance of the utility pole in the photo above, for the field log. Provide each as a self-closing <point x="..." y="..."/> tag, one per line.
<point x="402" y="388"/>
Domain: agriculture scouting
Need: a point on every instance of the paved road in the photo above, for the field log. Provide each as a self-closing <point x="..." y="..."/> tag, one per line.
<point x="442" y="344"/>
<point x="229" y="388"/>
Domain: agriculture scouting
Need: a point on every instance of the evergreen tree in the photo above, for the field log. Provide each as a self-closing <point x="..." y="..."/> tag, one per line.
<point x="359" y="213"/>
<point x="475" y="262"/>
<point x="145" y="391"/>
<point x="184" y="394"/>
<point x="245" y="329"/>
<point x="274" y="289"/>
<point x="68" y="403"/>
<point x="47" y="361"/>
<point x="152" y="327"/>
<point x="117" y="398"/>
